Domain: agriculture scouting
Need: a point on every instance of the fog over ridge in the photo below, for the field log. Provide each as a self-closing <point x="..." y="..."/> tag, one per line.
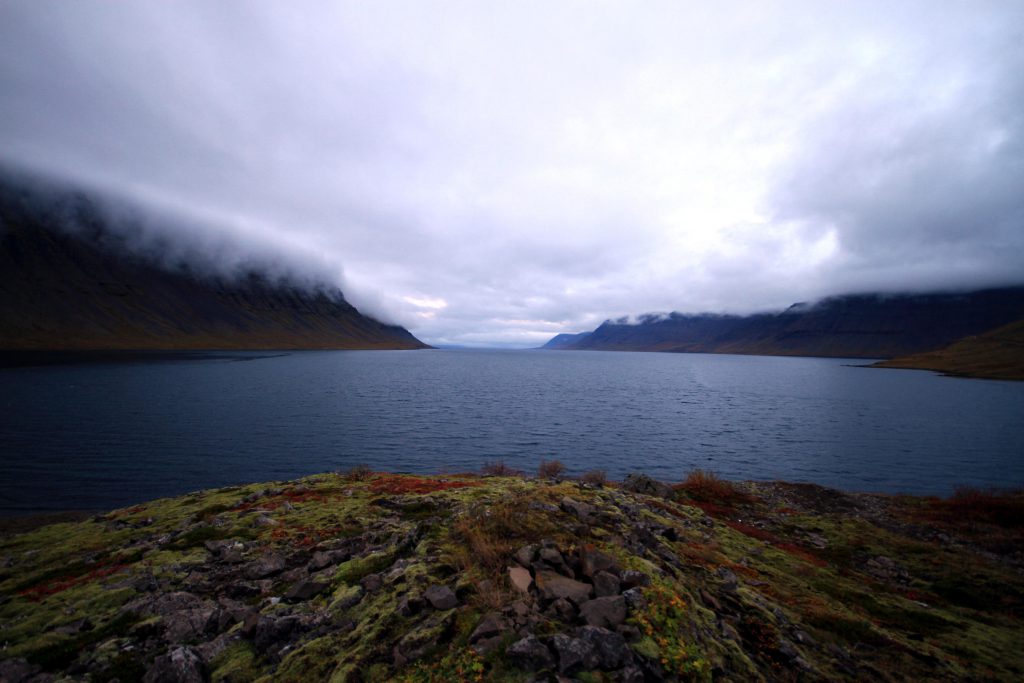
<point x="499" y="174"/>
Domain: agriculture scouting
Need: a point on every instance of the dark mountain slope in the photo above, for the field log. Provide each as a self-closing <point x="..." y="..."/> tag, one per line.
<point x="998" y="354"/>
<point x="857" y="326"/>
<point x="83" y="289"/>
<point x="565" y="340"/>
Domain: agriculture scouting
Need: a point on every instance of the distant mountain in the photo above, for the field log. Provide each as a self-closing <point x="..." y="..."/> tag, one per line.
<point x="998" y="354"/>
<point x="560" y="341"/>
<point x="855" y="326"/>
<point x="84" y="289"/>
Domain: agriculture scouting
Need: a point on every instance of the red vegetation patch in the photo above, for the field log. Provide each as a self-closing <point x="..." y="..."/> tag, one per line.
<point x="709" y="487"/>
<point x="50" y="587"/>
<point x="305" y="536"/>
<point x="972" y="505"/>
<point x="714" y="509"/>
<point x="391" y="484"/>
<point x="784" y="546"/>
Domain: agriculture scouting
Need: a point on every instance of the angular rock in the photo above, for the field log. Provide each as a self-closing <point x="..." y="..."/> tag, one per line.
<point x="530" y="654"/>
<point x="417" y="642"/>
<point x="325" y="558"/>
<point x="574" y="654"/>
<point x="606" y="584"/>
<point x="641" y="483"/>
<point x="562" y="610"/>
<point x="553" y="586"/>
<point x="440" y="597"/>
<point x="189" y="625"/>
<point x="273" y="633"/>
<point x="17" y="670"/>
<point x="491" y="625"/>
<point x="554" y="558"/>
<point x="593" y="561"/>
<point x="635" y="599"/>
<point x="605" y="612"/>
<point x="520" y="579"/>
<point x="525" y="555"/>
<point x="268" y="565"/>
<point x="371" y="583"/>
<point x="304" y="590"/>
<point x="581" y="510"/>
<point x="180" y="665"/>
<point x="632" y="578"/>
<point x="410" y="605"/>
<point x="729" y="581"/>
<point x="610" y="647"/>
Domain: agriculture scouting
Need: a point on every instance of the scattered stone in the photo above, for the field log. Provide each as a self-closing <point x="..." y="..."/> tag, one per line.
<point x="305" y="590"/>
<point x="562" y="610"/>
<point x="491" y="625"/>
<point x="440" y="597"/>
<point x="530" y="654"/>
<point x="606" y="584"/>
<point x="632" y="579"/>
<point x="574" y="654"/>
<point x="180" y="665"/>
<point x="371" y="583"/>
<point x="553" y="586"/>
<point x="635" y="599"/>
<point x="268" y="565"/>
<point x="17" y="670"/>
<point x="410" y="605"/>
<point x="641" y="483"/>
<point x="729" y="581"/>
<point x="417" y="642"/>
<point x="525" y="555"/>
<point x="605" y="612"/>
<point x="610" y="647"/>
<point x="520" y="579"/>
<point x="594" y="561"/>
<point x="189" y="625"/>
<point x="578" y="508"/>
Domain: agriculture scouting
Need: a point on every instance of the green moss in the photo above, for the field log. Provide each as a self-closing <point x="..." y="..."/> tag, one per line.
<point x="235" y="664"/>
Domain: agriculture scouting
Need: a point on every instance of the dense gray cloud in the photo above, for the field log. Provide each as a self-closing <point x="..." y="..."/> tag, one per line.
<point x="500" y="172"/>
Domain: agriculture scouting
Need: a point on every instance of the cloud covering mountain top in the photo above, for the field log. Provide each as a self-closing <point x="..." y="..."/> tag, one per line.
<point x="499" y="173"/>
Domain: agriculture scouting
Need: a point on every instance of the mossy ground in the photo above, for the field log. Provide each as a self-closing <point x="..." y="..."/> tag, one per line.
<point x="749" y="581"/>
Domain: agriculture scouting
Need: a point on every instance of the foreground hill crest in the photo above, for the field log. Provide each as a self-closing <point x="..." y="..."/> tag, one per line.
<point x="380" y="577"/>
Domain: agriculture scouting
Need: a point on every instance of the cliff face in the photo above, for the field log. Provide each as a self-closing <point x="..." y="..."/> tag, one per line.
<point x="866" y="326"/>
<point x="84" y="290"/>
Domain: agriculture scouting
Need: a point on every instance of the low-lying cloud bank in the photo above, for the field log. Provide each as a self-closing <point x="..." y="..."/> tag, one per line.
<point x="496" y="175"/>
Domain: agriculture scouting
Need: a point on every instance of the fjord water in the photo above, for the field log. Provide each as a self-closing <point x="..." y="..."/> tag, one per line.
<point x="107" y="433"/>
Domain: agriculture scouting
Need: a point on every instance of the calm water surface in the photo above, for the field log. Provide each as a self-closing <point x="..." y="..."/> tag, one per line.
<point x="105" y="434"/>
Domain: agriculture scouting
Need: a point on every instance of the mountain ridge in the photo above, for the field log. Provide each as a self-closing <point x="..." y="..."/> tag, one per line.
<point x="84" y="289"/>
<point x="851" y="326"/>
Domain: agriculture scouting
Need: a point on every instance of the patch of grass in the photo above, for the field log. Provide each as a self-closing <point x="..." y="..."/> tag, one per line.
<point x="843" y="628"/>
<point x="396" y="484"/>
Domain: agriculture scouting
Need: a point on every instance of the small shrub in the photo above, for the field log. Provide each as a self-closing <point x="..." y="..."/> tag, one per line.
<point x="550" y="469"/>
<point x="498" y="468"/>
<point x="1000" y="507"/>
<point x="360" y="472"/>
<point x="709" y="487"/>
<point x="595" y="478"/>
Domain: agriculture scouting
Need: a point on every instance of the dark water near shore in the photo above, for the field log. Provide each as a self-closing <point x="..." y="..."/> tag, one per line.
<point x="105" y="433"/>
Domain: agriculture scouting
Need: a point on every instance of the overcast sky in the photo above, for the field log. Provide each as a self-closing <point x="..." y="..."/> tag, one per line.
<point x="498" y="172"/>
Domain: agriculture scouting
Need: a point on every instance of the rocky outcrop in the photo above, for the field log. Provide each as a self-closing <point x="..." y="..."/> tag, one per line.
<point x="469" y="578"/>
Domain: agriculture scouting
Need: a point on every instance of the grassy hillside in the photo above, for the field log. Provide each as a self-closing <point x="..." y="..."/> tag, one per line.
<point x="998" y="354"/>
<point x="374" y="577"/>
